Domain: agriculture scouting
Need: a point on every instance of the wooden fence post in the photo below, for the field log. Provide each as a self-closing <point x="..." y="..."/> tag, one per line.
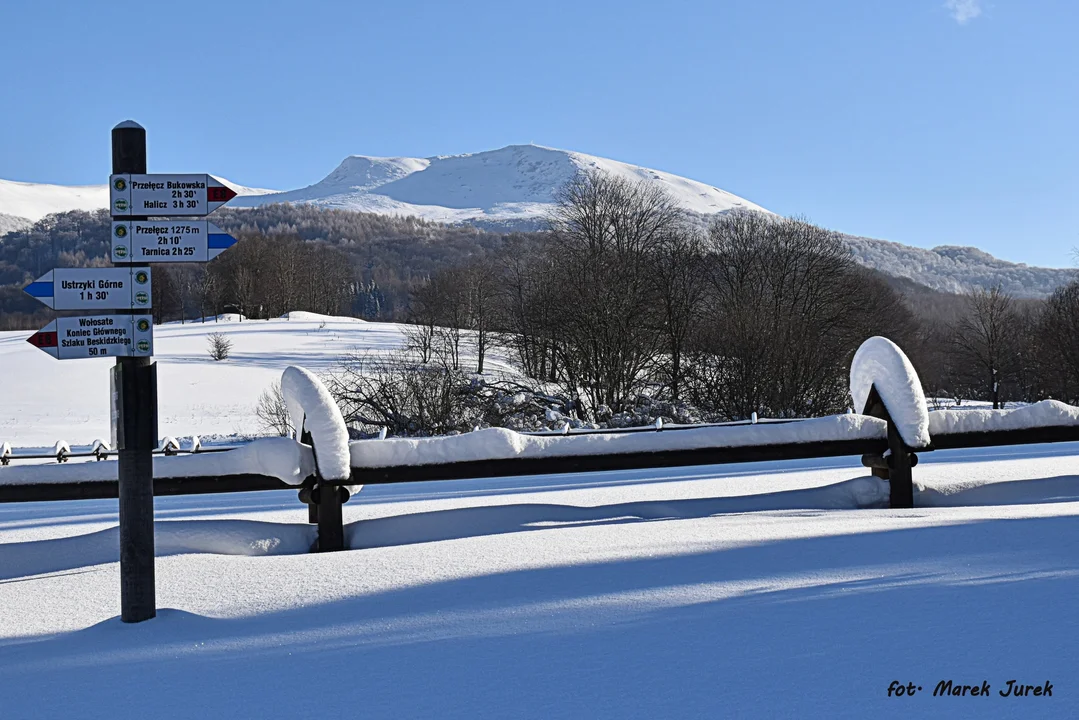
<point x="896" y="468"/>
<point x="331" y="527"/>
<point x="324" y="502"/>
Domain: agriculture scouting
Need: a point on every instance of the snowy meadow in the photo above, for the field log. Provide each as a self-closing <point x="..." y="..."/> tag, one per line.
<point x="778" y="589"/>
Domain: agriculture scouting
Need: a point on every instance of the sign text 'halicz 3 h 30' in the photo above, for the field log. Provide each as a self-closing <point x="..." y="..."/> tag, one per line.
<point x="75" y="338"/>
<point x="166" y="195"/>
<point x="122" y="288"/>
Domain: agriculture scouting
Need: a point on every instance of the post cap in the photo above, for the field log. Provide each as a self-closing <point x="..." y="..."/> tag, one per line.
<point x="129" y="124"/>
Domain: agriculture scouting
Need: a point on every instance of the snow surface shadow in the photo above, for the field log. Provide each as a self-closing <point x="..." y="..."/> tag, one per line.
<point x="457" y="523"/>
<point x="831" y="619"/>
<point x="1063" y="488"/>
<point x="22" y="560"/>
<point x="859" y="493"/>
<point x="529" y="484"/>
<point x="1000" y="452"/>
<point x="270" y="360"/>
<point x="172" y="507"/>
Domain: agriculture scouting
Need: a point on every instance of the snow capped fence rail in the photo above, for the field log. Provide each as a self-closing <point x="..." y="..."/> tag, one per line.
<point x="892" y="426"/>
<point x="100" y="450"/>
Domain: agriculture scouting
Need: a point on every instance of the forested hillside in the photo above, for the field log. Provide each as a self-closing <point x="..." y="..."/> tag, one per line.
<point x="380" y="258"/>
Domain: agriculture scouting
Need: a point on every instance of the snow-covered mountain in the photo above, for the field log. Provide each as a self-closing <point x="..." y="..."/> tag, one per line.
<point x="515" y="187"/>
<point x="514" y="183"/>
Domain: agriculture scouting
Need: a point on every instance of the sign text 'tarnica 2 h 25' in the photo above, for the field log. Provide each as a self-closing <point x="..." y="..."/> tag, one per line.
<point x="156" y="241"/>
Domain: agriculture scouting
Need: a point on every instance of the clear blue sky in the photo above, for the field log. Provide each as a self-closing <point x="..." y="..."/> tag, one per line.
<point x="921" y="121"/>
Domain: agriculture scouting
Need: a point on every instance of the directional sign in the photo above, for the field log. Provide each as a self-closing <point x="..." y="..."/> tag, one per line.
<point x="154" y="241"/>
<point x="160" y="195"/>
<point x="93" y="288"/>
<point x="73" y="338"/>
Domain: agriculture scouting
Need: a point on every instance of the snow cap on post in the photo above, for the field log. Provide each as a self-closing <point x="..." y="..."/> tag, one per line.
<point x="310" y="405"/>
<point x="881" y="364"/>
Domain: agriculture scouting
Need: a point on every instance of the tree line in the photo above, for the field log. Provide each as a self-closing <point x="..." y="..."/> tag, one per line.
<point x="623" y="301"/>
<point x="386" y="257"/>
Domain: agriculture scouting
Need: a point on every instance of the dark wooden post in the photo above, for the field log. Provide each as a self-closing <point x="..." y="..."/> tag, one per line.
<point x="897" y="467"/>
<point x="900" y="463"/>
<point x="137" y="432"/>
<point x="331" y="527"/>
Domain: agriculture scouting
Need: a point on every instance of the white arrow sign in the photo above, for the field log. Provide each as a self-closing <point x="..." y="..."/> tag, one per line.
<point x="160" y="195"/>
<point x="155" y="241"/>
<point x="73" y="338"/>
<point x="93" y="288"/>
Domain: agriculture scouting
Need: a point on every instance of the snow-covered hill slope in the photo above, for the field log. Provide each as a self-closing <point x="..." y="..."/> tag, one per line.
<point x="954" y="269"/>
<point x="10" y="223"/>
<point x="33" y="201"/>
<point x="518" y="182"/>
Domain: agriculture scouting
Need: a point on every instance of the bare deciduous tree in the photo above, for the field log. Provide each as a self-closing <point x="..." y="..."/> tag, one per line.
<point x="678" y="286"/>
<point x="1056" y="344"/>
<point x="785" y="310"/>
<point x="986" y="344"/>
<point x="606" y="232"/>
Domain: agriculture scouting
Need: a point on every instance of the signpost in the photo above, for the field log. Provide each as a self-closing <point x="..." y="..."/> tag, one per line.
<point x="168" y="241"/>
<point x="75" y="338"/>
<point x="128" y="335"/>
<point x="93" y="288"/>
<point x="141" y="195"/>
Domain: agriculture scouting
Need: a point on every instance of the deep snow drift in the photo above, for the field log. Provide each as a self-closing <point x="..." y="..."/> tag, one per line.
<point x="880" y="364"/>
<point x="311" y="408"/>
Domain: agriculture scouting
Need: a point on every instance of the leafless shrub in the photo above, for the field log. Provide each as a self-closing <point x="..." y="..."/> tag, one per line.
<point x="272" y="411"/>
<point x="219" y="346"/>
<point x="408" y="397"/>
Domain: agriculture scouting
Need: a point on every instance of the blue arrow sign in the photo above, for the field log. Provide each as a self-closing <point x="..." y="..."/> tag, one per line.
<point x="167" y="240"/>
<point x="119" y="288"/>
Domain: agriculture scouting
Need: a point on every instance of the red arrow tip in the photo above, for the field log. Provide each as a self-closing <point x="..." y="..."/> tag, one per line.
<point x="42" y="339"/>
<point x="220" y="194"/>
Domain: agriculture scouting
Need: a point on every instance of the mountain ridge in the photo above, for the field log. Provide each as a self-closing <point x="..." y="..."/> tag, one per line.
<point x="514" y="188"/>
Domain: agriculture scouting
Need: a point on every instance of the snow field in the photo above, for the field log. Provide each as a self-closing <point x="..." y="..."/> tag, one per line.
<point x="45" y="400"/>
<point x="753" y="590"/>
<point x="627" y="594"/>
